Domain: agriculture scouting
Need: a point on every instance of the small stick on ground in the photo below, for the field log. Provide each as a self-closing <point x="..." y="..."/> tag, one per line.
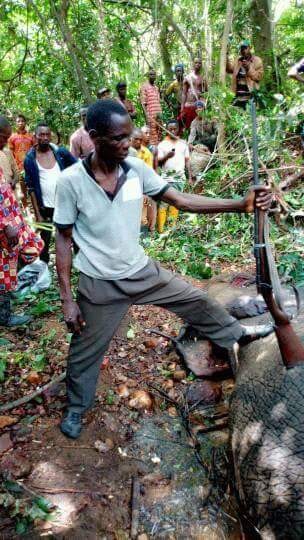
<point x="55" y="491"/>
<point x="77" y="447"/>
<point x="135" y="507"/>
<point x="29" y="397"/>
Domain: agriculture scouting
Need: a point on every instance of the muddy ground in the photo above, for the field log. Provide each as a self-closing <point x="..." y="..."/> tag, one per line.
<point x="145" y="466"/>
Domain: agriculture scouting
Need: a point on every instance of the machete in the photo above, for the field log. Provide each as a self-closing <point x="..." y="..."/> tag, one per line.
<point x="267" y="278"/>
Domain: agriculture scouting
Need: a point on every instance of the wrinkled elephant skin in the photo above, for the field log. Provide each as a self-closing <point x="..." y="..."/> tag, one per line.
<point x="267" y="431"/>
<point x="267" y="438"/>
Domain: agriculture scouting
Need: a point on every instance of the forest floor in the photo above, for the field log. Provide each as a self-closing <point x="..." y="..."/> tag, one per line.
<point x="145" y="465"/>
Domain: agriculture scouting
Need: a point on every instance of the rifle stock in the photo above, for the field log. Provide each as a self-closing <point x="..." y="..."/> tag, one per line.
<point x="267" y="280"/>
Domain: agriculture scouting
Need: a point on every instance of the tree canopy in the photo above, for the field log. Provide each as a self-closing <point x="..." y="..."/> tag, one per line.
<point x="55" y="54"/>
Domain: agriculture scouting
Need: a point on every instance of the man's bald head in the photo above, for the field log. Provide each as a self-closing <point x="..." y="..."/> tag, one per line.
<point x="5" y="131"/>
<point x="136" y="138"/>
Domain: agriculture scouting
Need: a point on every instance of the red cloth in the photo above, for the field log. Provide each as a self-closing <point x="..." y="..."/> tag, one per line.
<point x="19" y="144"/>
<point x="29" y="245"/>
<point x="187" y="115"/>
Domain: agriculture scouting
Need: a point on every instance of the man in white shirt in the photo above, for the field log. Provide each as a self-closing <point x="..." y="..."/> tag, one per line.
<point x="98" y="205"/>
<point x="42" y="166"/>
<point x="174" y="159"/>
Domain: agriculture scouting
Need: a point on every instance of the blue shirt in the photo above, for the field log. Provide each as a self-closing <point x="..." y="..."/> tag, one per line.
<point x="64" y="159"/>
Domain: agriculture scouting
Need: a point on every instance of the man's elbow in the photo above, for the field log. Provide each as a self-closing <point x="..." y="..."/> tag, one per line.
<point x="180" y="202"/>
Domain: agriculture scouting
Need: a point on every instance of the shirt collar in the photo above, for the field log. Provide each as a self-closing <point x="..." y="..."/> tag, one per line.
<point x="121" y="179"/>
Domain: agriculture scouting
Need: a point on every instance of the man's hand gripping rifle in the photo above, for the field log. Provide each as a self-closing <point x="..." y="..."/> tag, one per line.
<point x="267" y="278"/>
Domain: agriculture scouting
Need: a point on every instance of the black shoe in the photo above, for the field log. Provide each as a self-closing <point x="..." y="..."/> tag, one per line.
<point x="251" y="333"/>
<point x="18" y="320"/>
<point x="71" y="424"/>
<point x="7" y="318"/>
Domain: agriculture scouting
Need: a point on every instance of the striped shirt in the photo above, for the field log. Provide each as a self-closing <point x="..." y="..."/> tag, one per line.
<point x="150" y="99"/>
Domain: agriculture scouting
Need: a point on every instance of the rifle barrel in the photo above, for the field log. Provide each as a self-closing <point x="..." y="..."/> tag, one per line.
<point x="256" y="182"/>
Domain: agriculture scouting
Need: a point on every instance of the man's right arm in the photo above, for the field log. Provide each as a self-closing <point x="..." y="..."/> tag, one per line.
<point x="72" y="314"/>
<point x="184" y="94"/>
<point x="293" y="72"/>
<point x="143" y="101"/>
<point x="229" y="65"/>
<point x="74" y="147"/>
<point x="30" y="187"/>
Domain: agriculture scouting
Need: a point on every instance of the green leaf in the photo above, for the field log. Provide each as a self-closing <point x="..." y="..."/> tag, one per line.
<point x="39" y="362"/>
<point x="5" y="342"/>
<point x="10" y="485"/>
<point x="21" y="526"/>
<point x="131" y="333"/>
<point x="3" y="365"/>
<point x="44" y="504"/>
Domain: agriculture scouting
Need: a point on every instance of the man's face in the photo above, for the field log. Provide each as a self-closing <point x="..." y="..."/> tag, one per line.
<point x="245" y="52"/>
<point x="114" y="145"/>
<point x="197" y="64"/>
<point x="20" y="123"/>
<point x="136" y="141"/>
<point x="43" y="137"/>
<point x="179" y="72"/>
<point x="122" y="91"/>
<point x="146" y="135"/>
<point x="173" y="129"/>
<point x="103" y="95"/>
<point x="152" y="75"/>
<point x="83" y="116"/>
<point x="5" y="134"/>
<point x="199" y="111"/>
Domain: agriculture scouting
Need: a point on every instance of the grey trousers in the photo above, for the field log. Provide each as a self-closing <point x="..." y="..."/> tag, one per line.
<point x="104" y="304"/>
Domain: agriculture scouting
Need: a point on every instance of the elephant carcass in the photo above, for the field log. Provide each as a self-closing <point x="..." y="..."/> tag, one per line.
<point x="267" y="439"/>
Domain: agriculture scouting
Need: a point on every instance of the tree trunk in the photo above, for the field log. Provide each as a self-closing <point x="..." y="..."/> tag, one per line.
<point x="207" y="44"/>
<point x="164" y="49"/>
<point x="60" y="16"/>
<point x="262" y="24"/>
<point x="222" y="68"/>
<point x="224" y="44"/>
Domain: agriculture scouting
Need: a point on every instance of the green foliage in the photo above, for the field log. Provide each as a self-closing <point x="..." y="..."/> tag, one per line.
<point x="55" y="55"/>
<point x="24" y="509"/>
<point x="198" y="243"/>
<point x="3" y="365"/>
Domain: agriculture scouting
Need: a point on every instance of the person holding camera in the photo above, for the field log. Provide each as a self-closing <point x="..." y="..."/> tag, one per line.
<point x="173" y="158"/>
<point x="247" y="72"/>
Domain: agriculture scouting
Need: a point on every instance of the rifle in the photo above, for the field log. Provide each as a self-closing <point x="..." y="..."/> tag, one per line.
<point x="267" y="278"/>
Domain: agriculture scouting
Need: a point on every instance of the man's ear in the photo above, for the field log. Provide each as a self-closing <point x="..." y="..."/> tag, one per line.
<point x="93" y="133"/>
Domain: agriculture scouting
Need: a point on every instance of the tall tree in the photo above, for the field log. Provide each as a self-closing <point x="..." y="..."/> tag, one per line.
<point x="262" y="30"/>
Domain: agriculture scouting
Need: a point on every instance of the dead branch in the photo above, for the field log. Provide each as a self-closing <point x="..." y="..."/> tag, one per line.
<point x="29" y="397"/>
<point x="135" y="507"/>
<point x="291" y="180"/>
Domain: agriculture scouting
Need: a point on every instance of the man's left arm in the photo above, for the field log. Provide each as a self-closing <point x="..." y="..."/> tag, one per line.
<point x="256" y="71"/>
<point x="260" y="197"/>
<point x="15" y="171"/>
<point x="188" y="164"/>
<point x="69" y="159"/>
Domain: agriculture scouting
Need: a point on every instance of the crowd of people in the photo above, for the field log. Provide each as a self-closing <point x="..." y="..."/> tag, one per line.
<point x="114" y="179"/>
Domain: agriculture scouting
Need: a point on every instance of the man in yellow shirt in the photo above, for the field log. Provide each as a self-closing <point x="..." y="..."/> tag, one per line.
<point x="142" y="151"/>
<point x="173" y="93"/>
<point x="148" y="217"/>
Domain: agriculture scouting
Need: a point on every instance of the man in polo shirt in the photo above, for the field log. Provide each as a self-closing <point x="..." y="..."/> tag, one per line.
<point x="98" y="204"/>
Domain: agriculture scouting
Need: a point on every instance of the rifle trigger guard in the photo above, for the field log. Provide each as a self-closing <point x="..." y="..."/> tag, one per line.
<point x="266" y="286"/>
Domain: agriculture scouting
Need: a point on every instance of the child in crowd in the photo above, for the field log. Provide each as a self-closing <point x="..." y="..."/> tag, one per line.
<point x="148" y="218"/>
<point x="174" y="159"/>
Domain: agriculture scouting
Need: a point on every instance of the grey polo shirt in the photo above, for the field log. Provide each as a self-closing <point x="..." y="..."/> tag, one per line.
<point x="106" y="231"/>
